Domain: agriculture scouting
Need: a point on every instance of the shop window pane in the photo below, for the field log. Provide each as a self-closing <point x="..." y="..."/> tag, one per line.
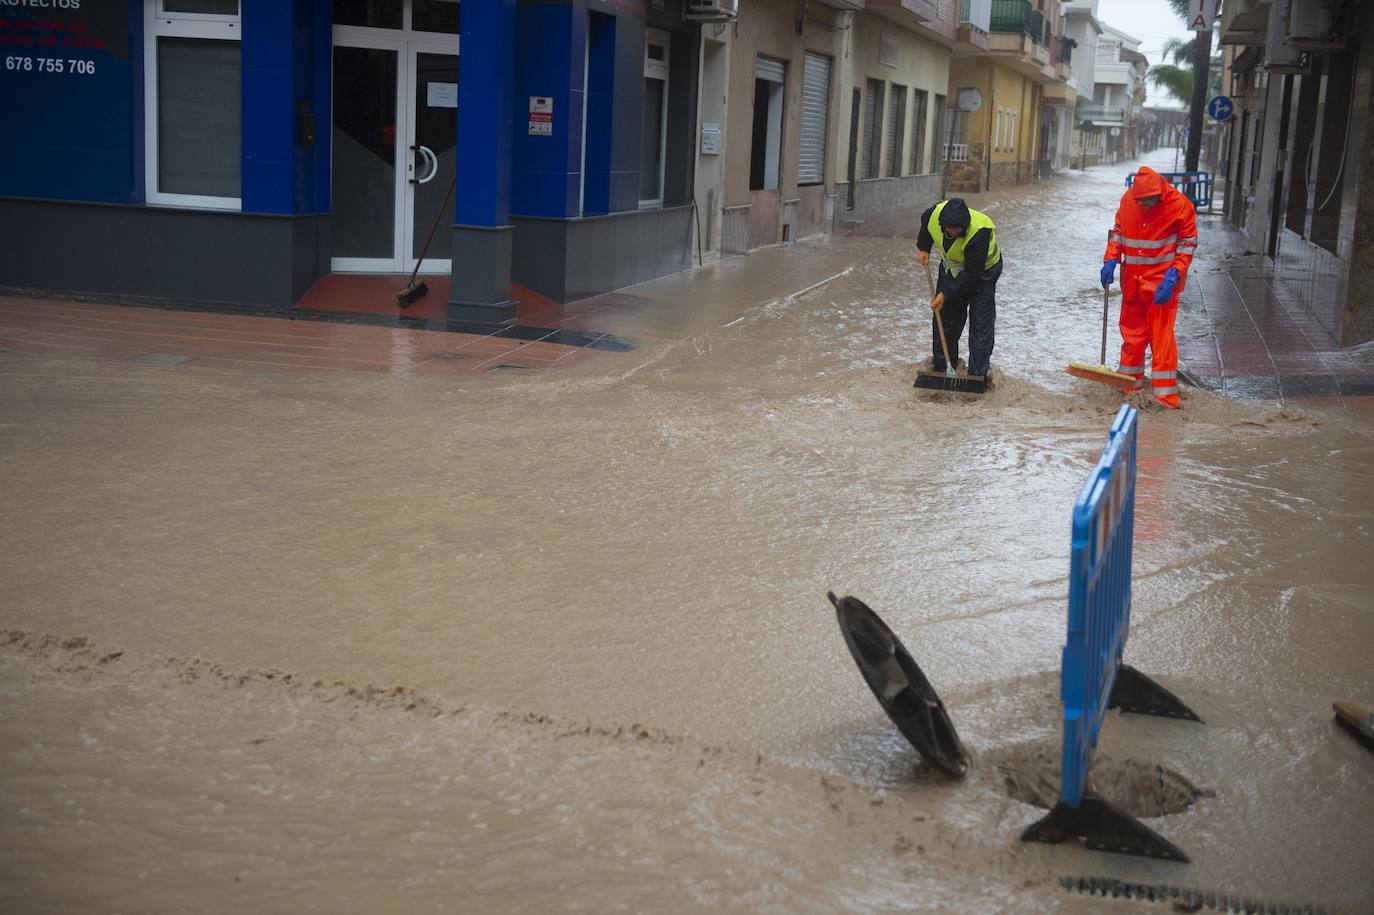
<point x="379" y="14"/>
<point x="650" y="141"/>
<point x="435" y="16"/>
<point x="198" y="112"/>
<point x="206" y="7"/>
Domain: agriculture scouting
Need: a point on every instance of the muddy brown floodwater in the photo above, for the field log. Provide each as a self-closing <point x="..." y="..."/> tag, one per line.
<point x="344" y="642"/>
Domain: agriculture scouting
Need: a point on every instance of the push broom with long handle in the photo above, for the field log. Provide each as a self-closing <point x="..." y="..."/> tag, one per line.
<point x="1100" y="372"/>
<point x="949" y="379"/>
<point x="414" y="290"/>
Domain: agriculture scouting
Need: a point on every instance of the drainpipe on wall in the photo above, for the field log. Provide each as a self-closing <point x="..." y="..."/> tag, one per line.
<point x="1034" y="123"/>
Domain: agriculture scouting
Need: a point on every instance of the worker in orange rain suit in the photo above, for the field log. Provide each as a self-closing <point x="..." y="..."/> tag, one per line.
<point x="1154" y="239"/>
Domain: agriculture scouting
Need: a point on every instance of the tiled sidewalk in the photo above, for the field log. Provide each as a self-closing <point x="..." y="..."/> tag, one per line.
<point x="301" y="340"/>
<point x="1240" y="334"/>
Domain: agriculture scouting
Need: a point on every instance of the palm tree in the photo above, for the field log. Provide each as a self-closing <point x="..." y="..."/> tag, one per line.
<point x="1176" y="78"/>
<point x="1202" y="59"/>
<point x="1173" y="77"/>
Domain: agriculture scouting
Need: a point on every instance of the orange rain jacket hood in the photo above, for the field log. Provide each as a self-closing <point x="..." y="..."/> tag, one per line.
<point x="1149" y="240"/>
<point x="1149" y="182"/>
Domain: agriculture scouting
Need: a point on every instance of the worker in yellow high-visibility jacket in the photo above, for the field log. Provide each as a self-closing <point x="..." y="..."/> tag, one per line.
<point x="970" y="263"/>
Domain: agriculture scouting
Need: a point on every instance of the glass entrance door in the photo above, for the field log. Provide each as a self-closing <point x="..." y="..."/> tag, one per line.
<point x="365" y="160"/>
<point x="395" y="126"/>
<point x="435" y="94"/>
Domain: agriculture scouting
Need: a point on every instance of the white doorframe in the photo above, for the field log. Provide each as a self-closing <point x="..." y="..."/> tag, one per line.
<point x="407" y="45"/>
<point x="658" y="69"/>
<point x="382" y="40"/>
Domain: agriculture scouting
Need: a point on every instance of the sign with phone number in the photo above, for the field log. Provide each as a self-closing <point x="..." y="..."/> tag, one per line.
<point x="68" y="99"/>
<point x="72" y="65"/>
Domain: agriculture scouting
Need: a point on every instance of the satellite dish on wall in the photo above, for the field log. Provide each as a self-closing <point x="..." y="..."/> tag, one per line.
<point x="969" y="99"/>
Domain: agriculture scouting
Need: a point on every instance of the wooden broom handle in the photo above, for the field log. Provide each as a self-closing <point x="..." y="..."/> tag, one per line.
<point x="939" y="322"/>
<point x="1106" y="304"/>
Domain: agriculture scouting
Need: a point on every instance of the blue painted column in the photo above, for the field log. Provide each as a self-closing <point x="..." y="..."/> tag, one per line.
<point x="551" y="45"/>
<point x="285" y="53"/>
<point x="481" y="242"/>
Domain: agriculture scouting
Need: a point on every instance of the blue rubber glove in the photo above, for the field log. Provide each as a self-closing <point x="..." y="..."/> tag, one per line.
<point x="1108" y="273"/>
<point x="1166" y="289"/>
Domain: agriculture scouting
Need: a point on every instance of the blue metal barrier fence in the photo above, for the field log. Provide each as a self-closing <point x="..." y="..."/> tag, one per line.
<point x="1099" y="599"/>
<point x="1196" y="186"/>
<point x="1093" y="678"/>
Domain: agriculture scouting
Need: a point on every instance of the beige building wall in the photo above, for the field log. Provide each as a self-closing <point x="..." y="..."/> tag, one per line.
<point x="913" y="63"/>
<point x="750" y="217"/>
<point x="919" y="64"/>
<point x="1003" y="130"/>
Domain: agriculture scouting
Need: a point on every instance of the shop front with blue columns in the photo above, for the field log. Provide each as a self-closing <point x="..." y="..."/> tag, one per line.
<point x="238" y="152"/>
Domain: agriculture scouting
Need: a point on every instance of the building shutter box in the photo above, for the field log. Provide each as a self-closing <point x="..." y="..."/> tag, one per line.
<point x="766" y="68"/>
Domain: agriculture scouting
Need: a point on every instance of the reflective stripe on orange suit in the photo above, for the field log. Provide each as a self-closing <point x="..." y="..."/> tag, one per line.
<point x="1148" y="242"/>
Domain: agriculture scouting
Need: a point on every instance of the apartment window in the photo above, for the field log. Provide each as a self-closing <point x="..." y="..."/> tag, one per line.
<point x="770" y="77"/>
<point x="896" y="129"/>
<point x="815" y="119"/>
<point x="193" y="134"/>
<point x="873" y="127"/>
<point x="918" y="131"/>
<point x="653" y="129"/>
<point x="1009" y="142"/>
<point x="997" y="130"/>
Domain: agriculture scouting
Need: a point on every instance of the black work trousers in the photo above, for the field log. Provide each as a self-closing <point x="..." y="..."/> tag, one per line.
<point x="978" y="309"/>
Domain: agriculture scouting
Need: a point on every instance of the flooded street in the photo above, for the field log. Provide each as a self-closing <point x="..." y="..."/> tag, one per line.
<point x="592" y="607"/>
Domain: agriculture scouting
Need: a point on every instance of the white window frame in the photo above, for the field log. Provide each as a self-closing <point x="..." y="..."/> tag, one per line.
<point x="997" y="131"/>
<point x="658" y="69"/>
<point x="897" y="126"/>
<point x="162" y="13"/>
<point x="1012" y="117"/>
<point x="159" y="24"/>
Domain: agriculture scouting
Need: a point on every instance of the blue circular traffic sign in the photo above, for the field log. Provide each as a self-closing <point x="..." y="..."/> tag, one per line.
<point x="1220" y="107"/>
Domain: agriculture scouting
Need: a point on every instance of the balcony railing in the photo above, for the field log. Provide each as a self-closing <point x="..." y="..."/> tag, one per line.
<point x="958" y="152"/>
<point x="1017" y="16"/>
<point x="977" y="18"/>
<point x="1065" y="54"/>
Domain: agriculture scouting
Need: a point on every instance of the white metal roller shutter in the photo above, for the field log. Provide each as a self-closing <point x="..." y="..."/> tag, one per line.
<point x="873" y="130"/>
<point x="766" y="68"/>
<point x="815" y="112"/>
<point x="896" y="111"/>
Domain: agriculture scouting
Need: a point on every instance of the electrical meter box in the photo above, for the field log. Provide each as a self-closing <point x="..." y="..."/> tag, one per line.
<point x="710" y="138"/>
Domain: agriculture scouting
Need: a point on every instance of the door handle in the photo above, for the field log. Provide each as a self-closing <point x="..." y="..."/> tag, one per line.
<point x="433" y="161"/>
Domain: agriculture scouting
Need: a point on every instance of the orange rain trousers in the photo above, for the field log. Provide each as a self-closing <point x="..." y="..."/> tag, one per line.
<point x="1145" y="324"/>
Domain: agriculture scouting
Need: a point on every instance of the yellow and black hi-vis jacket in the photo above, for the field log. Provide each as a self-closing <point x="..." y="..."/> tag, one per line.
<point x="966" y="259"/>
